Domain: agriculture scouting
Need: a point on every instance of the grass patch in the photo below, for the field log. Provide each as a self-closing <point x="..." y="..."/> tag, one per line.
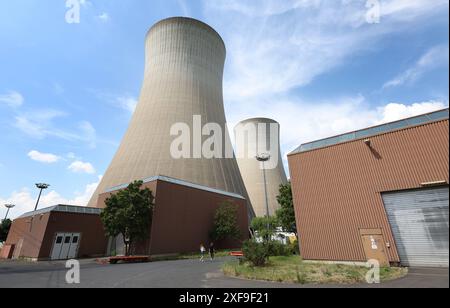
<point x="293" y="270"/>
<point x="191" y="256"/>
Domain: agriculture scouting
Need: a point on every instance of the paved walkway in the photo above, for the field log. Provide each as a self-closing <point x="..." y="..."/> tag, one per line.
<point x="171" y="274"/>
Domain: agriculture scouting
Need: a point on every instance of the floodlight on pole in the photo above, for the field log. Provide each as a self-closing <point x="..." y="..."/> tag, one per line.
<point x="41" y="187"/>
<point x="8" y="206"/>
<point x="263" y="158"/>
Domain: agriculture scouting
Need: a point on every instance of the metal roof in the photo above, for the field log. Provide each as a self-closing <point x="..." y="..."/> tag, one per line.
<point x="373" y="131"/>
<point x="64" y="209"/>
<point x="178" y="182"/>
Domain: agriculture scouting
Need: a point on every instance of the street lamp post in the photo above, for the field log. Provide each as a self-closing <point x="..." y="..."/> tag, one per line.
<point x="263" y="158"/>
<point x="41" y="187"/>
<point x="8" y="206"/>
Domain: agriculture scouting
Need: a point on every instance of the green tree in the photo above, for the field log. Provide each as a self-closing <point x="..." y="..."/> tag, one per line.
<point x="226" y="223"/>
<point x="5" y="225"/>
<point x="129" y="213"/>
<point x="265" y="227"/>
<point x="286" y="214"/>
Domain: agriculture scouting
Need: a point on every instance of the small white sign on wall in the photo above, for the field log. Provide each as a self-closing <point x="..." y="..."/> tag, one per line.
<point x="374" y="243"/>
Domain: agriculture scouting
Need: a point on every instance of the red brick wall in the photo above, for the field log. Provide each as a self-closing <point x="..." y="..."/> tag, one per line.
<point x="38" y="241"/>
<point x="31" y="231"/>
<point x="93" y="240"/>
<point x="184" y="217"/>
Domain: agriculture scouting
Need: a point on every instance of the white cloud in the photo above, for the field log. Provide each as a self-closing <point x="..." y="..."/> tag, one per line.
<point x="406" y="10"/>
<point x="12" y="99"/>
<point x="435" y="57"/>
<point x="395" y="111"/>
<point x="399" y="9"/>
<point x="263" y="7"/>
<point x="43" y="157"/>
<point x="276" y="46"/>
<point x="127" y="103"/>
<point x="39" y="124"/>
<point x="104" y="17"/>
<point x="88" y="134"/>
<point x="81" y="167"/>
<point x="123" y="101"/>
<point x="42" y="124"/>
<point x="25" y="199"/>
<point x="86" y="3"/>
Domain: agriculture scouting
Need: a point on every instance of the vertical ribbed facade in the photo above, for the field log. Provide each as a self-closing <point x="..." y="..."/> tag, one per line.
<point x="338" y="189"/>
<point x="251" y="169"/>
<point x="183" y="77"/>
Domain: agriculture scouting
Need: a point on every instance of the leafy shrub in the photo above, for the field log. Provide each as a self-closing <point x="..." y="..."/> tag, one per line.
<point x="255" y="253"/>
<point x="278" y="249"/>
<point x="265" y="227"/>
<point x="294" y="248"/>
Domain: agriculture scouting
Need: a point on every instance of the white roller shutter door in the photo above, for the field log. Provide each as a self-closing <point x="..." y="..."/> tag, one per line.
<point x="419" y="221"/>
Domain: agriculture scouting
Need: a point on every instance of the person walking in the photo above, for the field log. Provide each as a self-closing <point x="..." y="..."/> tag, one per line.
<point x="211" y="251"/>
<point x="202" y="253"/>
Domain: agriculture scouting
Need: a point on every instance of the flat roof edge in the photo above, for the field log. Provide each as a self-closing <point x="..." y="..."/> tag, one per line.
<point x="179" y="182"/>
<point x="63" y="208"/>
<point x="430" y="120"/>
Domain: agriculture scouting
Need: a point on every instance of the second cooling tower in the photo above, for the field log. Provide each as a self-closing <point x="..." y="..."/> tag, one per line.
<point x="256" y="138"/>
<point x="183" y="80"/>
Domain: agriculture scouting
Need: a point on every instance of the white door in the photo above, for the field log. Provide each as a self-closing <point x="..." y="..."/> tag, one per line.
<point x="74" y="244"/>
<point x="57" y="246"/>
<point x="66" y="246"/>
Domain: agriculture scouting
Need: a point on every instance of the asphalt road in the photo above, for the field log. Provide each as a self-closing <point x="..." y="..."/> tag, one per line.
<point x="170" y="274"/>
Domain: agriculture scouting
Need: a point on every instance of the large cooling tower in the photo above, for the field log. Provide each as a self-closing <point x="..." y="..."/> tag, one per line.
<point x="184" y="66"/>
<point x="264" y="140"/>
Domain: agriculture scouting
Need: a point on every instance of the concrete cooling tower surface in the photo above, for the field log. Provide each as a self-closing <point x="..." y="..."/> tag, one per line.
<point x="251" y="169"/>
<point x="184" y="66"/>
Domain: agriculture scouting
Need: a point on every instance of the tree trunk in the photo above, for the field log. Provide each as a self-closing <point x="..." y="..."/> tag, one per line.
<point x="130" y="247"/>
<point x="127" y="247"/>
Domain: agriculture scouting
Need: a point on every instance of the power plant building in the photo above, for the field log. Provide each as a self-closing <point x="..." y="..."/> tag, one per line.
<point x="181" y="96"/>
<point x="183" y="217"/>
<point x="379" y="193"/>
<point x="184" y="66"/>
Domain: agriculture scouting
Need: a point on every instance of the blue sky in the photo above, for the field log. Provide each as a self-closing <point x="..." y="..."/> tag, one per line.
<point x="67" y="91"/>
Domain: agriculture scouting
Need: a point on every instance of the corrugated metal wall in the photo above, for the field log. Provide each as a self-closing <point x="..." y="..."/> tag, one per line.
<point x="337" y="190"/>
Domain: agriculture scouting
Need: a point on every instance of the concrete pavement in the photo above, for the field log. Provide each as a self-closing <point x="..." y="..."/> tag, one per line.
<point x="171" y="274"/>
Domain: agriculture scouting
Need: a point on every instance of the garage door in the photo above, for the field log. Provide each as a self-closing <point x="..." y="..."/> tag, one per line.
<point x="419" y="221"/>
<point x="65" y="246"/>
